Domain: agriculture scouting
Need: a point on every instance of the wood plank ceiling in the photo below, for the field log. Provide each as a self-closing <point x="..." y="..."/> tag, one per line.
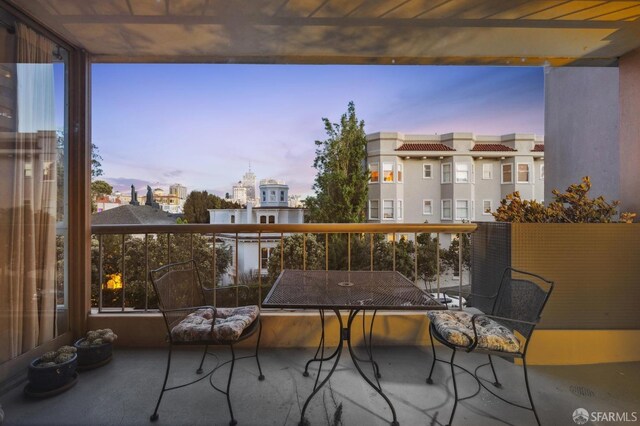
<point x="509" y="32"/>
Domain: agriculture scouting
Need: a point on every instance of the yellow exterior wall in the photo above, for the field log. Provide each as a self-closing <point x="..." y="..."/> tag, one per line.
<point x="300" y="329"/>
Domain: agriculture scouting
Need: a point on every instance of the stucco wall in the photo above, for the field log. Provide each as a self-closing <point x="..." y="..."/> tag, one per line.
<point x="630" y="131"/>
<point x="581" y="129"/>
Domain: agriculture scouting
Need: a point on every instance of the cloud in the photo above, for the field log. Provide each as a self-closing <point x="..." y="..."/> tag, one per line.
<point x="173" y="174"/>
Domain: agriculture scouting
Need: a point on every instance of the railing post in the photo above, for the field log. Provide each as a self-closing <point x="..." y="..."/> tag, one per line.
<point x="415" y="253"/>
<point x="123" y="274"/>
<point x="146" y="272"/>
<point x="260" y="268"/>
<point x="235" y="281"/>
<point x="349" y="252"/>
<point x="281" y="252"/>
<point x="100" y="272"/>
<point x="304" y="251"/>
<point x="371" y="251"/>
<point x="215" y="267"/>
<point x="438" y="264"/>
<point x="460" y="270"/>
<point x="393" y="243"/>
<point x="326" y="251"/>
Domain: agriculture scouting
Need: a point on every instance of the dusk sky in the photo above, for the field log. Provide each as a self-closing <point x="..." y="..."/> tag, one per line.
<point x="201" y="125"/>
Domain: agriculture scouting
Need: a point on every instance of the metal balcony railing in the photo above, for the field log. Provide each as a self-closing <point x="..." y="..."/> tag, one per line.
<point x="234" y="265"/>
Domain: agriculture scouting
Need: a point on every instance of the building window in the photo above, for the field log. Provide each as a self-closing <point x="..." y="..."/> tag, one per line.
<point x="507" y="173"/>
<point x="233" y="218"/>
<point x="281" y="196"/>
<point x="387" y="172"/>
<point x="523" y="173"/>
<point x="446" y="209"/>
<point x="272" y="219"/>
<point x="427" y="206"/>
<point x="374" y="209"/>
<point x="462" y="209"/>
<point x="399" y="170"/>
<point x="387" y="209"/>
<point x="542" y="171"/>
<point x="264" y="196"/>
<point x="462" y="173"/>
<point x="426" y="171"/>
<point x="446" y="173"/>
<point x="374" y="168"/>
<point x="487" y="171"/>
<point x="272" y="196"/>
<point x="399" y="208"/>
<point x="263" y="219"/>
<point x="265" y="254"/>
<point x="486" y="207"/>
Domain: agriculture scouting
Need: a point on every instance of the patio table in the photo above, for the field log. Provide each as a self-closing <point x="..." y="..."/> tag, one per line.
<point x="355" y="291"/>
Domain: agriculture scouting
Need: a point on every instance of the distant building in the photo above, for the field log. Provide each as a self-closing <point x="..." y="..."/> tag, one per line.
<point x="250" y="262"/>
<point x="450" y="178"/>
<point x="179" y="190"/>
<point x="295" y="201"/>
<point x="274" y="193"/>
<point x="245" y="190"/>
<point x="134" y="215"/>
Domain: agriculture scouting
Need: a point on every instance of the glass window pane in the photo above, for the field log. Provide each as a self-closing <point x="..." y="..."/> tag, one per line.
<point x="373" y="209"/>
<point x="523" y="173"/>
<point x="462" y="173"/>
<point x="399" y="166"/>
<point x="506" y="173"/>
<point x="426" y="207"/>
<point x="375" y="173"/>
<point x="388" y="209"/>
<point x="387" y="172"/>
<point x="34" y="302"/>
<point x="446" y="173"/>
<point x="487" y="171"/>
<point x="446" y="209"/>
<point x="426" y="171"/>
<point x="462" y="209"/>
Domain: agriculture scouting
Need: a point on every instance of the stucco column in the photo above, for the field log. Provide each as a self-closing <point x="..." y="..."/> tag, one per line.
<point x="630" y="131"/>
<point x="582" y="130"/>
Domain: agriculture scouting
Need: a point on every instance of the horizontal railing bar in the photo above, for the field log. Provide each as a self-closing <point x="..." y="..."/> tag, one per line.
<point x="289" y="228"/>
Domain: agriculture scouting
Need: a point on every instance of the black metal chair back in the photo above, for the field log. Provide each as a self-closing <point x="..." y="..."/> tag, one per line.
<point x="521" y="296"/>
<point x="177" y="286"/>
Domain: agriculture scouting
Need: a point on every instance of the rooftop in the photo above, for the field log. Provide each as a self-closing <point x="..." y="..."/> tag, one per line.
<point x="134" y="215"/>
<point x="424" y="147"/>
<point x="491" y="147"/>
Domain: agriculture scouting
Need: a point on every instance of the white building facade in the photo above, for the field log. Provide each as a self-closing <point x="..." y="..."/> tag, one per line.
<point x="450" y="178"/>
<point x="250" y="260"/>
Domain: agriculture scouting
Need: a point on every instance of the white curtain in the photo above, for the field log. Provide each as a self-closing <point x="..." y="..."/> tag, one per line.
<point x="28" y="256"/>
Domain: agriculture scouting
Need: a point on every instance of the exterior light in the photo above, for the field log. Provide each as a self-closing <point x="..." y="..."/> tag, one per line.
<point x="424" y="158"/>
<point x="407" y="157"/>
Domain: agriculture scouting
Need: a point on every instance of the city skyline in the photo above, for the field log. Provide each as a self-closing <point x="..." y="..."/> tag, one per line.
<point x="202" y="125"/>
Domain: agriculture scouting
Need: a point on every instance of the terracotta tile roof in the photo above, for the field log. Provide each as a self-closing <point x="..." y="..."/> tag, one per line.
<point x="424" y="147"/>
<point x="539" y="147"/>
<point x="491" y="147"/>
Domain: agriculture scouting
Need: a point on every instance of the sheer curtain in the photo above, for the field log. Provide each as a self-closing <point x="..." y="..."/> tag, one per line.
<point x="27" y="256"/>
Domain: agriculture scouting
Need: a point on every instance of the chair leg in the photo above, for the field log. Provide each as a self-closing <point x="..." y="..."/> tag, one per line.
<point x="261" y="376"/>
<point x="233" y="421"/>
<point x="199" y="370"/>
<point x="455" y="387"/>
<point x="433" y="363"/>
<point x="495" y="376"/>
<point x="154" y="416"/>
<point x="526" y="381"/>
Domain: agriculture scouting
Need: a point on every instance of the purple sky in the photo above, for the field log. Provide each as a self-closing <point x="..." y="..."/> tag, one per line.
<point x="201" y="125"/>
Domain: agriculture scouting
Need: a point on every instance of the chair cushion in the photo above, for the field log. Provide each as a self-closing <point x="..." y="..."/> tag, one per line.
<point x="456" y="328"/>
<point x="230" y="323"/>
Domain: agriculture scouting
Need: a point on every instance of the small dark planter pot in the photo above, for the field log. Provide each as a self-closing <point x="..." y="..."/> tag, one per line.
<point x="93" y="356"/>
<point x="45" y="379"/>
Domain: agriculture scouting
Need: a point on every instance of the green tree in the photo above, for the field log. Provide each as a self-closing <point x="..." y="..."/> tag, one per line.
<point x="293" y="256"/>
<point x="100" y="188"/>
<point x="96" y="162"/>
<point x="342" y="177"/>
<point x="197" y="205"/>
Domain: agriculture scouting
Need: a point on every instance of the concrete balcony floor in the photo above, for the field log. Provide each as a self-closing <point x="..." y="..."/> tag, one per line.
<point x="124" y="392"/>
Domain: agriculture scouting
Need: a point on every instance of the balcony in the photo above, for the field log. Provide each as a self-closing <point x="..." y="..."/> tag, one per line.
<point x="125" y="392"/>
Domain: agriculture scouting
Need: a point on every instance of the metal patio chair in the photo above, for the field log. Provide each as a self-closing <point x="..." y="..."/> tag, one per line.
<point x="191" y="321"/>
<point x="517" y="308"/>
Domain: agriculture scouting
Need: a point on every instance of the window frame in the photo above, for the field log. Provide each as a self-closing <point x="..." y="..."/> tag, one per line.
<point x="430" y="207"/>
<point x="393" y="212"/>
<point x="468" y="171"/>
<point x="377" y="171"/>
<point x="468" y="208"/>
<point x="442" y="209"/>
<point x="442" y="173"/>
<point x="399" y="208"/>
<point x="392" y="172"/>
<point x="487" y="167"/>
<point x="528" y="173"/>
<point x="377" y="217"/>
<point x="502" y="167"/>
<point x="484" y="212"/>
<point x="541" y="171"/>
<point x="399" y="172"/>
<point x="424" y="166"/>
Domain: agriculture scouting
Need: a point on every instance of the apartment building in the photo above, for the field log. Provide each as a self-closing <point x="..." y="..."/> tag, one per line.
<point x="452" y="177"/>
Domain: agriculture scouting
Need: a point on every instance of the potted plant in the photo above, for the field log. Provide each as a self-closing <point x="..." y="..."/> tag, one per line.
<point x="52" y="373"/>
<point x="95" y="349"/>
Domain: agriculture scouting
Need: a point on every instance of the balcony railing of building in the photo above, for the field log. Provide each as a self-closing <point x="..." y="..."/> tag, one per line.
<point x="239" y="262"/>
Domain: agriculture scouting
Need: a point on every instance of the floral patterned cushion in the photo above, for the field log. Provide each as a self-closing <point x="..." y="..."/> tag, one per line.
<point x="456" y="328"/>
<point x="230" y="323"/>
